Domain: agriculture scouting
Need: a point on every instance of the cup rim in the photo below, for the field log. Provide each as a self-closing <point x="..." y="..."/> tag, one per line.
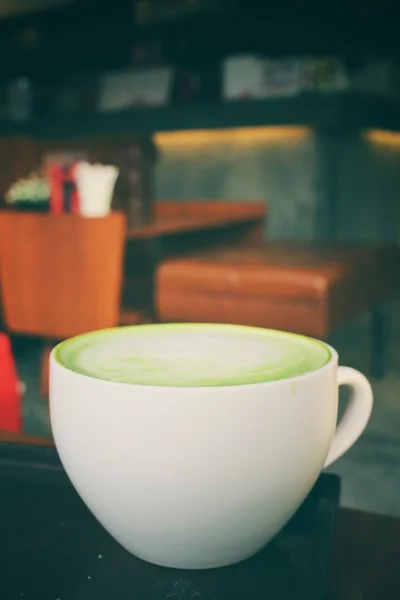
<point x="333" y="359"/>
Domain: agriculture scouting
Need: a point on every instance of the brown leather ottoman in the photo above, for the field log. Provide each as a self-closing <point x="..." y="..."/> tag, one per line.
<point x="302" y="287"/>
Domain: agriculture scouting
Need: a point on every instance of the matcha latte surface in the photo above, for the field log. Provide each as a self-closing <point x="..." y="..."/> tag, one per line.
<point x="191" y="355"/>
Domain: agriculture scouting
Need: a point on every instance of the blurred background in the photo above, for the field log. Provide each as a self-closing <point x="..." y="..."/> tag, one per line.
<point x="203" y="160"/>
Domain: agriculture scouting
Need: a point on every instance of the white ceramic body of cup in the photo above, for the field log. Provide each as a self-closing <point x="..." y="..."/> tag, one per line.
<point x="200" y="477"/>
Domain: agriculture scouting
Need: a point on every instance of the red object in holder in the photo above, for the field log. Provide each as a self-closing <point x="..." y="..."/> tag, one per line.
<point x="10" y="388"/>
<point x="64" y="196"/>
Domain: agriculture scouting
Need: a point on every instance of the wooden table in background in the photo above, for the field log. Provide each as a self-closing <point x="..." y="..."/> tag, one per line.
<point x="180" y="228"/>
<point x="365" y="554"/>
<point x="175" y="218"/>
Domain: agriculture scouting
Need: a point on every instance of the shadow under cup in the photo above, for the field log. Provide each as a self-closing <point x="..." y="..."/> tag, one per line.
<point x="199" y="476"/>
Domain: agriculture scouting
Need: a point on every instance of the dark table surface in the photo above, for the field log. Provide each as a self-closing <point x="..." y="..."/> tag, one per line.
<point x="365" y="561"/>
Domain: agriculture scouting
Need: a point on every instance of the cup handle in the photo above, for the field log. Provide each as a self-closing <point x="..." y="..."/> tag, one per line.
<point x="357" y="413"/>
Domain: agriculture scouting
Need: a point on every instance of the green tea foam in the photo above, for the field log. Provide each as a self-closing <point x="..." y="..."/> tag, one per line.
<point x="191" y="355"/>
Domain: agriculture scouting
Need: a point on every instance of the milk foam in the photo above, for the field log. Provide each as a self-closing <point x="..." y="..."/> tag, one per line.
<point x="191" y="355"/>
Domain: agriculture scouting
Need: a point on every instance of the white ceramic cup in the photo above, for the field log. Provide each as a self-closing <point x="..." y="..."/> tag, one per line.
<point x="201" y="477"/>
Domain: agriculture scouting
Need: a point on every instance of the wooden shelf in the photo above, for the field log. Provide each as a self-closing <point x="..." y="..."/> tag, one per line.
<point x="21" y="438"/>
<point x="326" y="111"/>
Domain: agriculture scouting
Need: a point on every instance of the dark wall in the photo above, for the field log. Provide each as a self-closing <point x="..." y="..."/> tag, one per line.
<point x="282" y="167"/>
